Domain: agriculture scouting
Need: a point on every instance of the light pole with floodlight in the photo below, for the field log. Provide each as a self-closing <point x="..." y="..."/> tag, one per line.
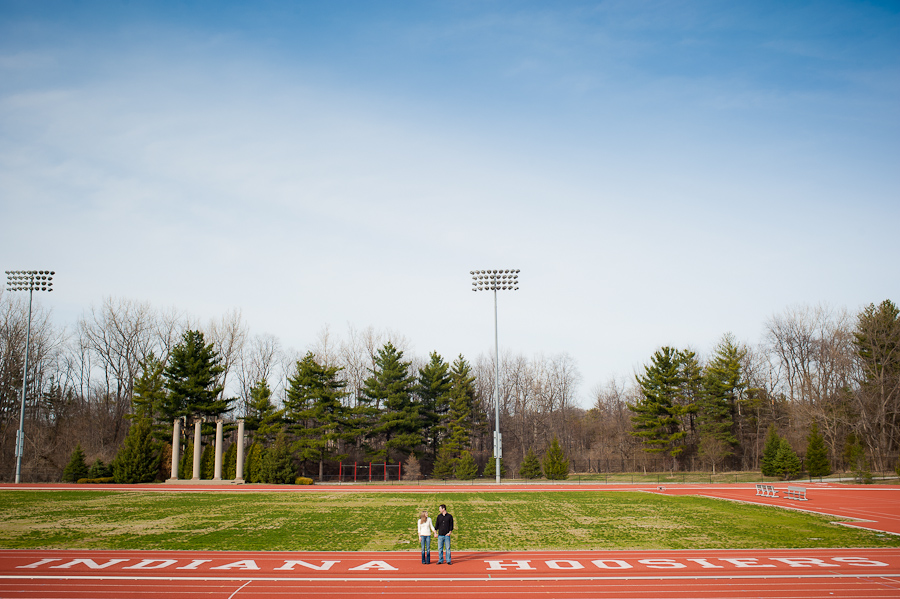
<point x="496" y="280"/>
<point x="30" y="281"/>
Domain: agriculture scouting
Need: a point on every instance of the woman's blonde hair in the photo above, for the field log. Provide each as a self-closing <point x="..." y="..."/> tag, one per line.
<point x="423" y="517"/>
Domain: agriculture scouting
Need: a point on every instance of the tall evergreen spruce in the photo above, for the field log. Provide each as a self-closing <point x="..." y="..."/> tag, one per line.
<point x="770" y="452"/>
<point x="76" y="468"/>
<point x="556" y="465"/>
<point x="314" y="406"/>
<point x="433" y="388"/>
<point x="658" y="416"/>
<point x="138" y="460"/>
<point x="462" y="422"/>
<point x="191" y="380"/>
<point x="816" y="454"/>
<point x="149" y="397"/>
<point x="723" y="387"/>
<point x="531" y="466"/>
<point x="389" y="388"/>
<point x="263" y="419"/>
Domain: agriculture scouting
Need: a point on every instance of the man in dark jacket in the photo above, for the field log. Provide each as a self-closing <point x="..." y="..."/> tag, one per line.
<point x="444" y="524"/>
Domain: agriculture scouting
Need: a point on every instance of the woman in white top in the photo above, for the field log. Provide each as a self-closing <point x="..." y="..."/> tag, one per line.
<point x="425" y="528"/>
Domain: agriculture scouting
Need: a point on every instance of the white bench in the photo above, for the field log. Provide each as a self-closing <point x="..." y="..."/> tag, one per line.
<point x="766" y="490"/>
<point x="798" y="493"/>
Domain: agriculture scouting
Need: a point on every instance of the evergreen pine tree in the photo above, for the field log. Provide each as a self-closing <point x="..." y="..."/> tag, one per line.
<point x="314" y="406"/>
<point x="770" y="452"/>
<point x="149" y="396"/>
<point x="466" y="468"/>
<point x="723" y="387"/>
<point x="433" y="389"/>
<point x="263" y="419"/>
<point x="659" y="415"/>
<point x="192" y="380"/>
<point x="389" y="388"/>
<point x="76" y="468"/>
<point x="138" y="460"/>
<point x="444" y="466"/>
<point x="816" y="454"/>
<point x="461" y="421"/>
<point x="531" y="466"/>
<point x="787" y="464"/>
<point x="556" y="466"/>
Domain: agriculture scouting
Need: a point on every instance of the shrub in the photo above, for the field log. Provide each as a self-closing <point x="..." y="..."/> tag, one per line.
<point x="186" y="467"/>
<point x="99" y="470"/>
<point x="229" y="462"/>
<point x="443" y="466"/>
<point x="208" y="462"/>
<point x="531" y="467"/>
<point x="253" y="462"/>
<point x="787" y="464"/>
<point x="556" y="466"/>
<point x="76" y="468"/>
<point x="138" y="460"/>
<point x="412" y="470"/>
<point x="103" y="480"/>
<point x="302" y="480"/>
<point x="278" y="464"/>
<point x="466" y="468"/>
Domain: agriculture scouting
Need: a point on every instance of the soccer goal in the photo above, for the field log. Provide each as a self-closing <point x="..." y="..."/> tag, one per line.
<point x="370" y="472"/>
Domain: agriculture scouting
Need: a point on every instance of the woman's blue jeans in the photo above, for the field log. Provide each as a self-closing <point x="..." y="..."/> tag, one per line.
<point x="426" y="548"/>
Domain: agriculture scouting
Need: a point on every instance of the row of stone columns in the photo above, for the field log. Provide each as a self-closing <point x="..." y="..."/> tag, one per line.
<point x="176" y="450"/>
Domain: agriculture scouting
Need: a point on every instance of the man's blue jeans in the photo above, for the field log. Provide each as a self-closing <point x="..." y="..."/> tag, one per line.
<point x="443" y="540"/>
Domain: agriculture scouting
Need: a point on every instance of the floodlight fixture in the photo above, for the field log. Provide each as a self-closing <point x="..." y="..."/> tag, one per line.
<point x="496" y="280"/>
<point x="30" y="281"/>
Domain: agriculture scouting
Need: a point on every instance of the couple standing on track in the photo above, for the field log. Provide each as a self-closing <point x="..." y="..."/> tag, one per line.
<point x="444" y="523"/>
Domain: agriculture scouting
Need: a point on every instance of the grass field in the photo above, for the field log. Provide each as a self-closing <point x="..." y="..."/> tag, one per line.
<point x="385" y="521"/>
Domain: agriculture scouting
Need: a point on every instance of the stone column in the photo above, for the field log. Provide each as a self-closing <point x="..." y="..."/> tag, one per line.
<point x="239" y="470"/>
<point x="176" y="448"/>
<point x="218" y="468"/>
<point x="197" y="424"/>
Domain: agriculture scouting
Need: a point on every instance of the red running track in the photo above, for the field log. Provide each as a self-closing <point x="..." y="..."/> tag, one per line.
<point x="798" y="573"/>
<point x="792" y="573"/>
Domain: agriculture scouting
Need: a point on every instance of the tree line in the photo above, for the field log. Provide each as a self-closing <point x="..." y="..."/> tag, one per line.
<point x="365" y="397"/>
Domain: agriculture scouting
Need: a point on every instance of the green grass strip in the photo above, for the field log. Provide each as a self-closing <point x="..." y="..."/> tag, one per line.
<point x="327" y="521"/>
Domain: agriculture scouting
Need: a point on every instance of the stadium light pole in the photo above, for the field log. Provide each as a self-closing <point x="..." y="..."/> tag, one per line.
<point x="496" y="280"/>
<point x="30" y="281"/>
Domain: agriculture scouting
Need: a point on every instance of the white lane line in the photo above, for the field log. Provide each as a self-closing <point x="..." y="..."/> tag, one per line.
<point x="239" y="590"/>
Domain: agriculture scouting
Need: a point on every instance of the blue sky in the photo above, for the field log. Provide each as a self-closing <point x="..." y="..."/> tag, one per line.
<point x="661" y="172"/>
